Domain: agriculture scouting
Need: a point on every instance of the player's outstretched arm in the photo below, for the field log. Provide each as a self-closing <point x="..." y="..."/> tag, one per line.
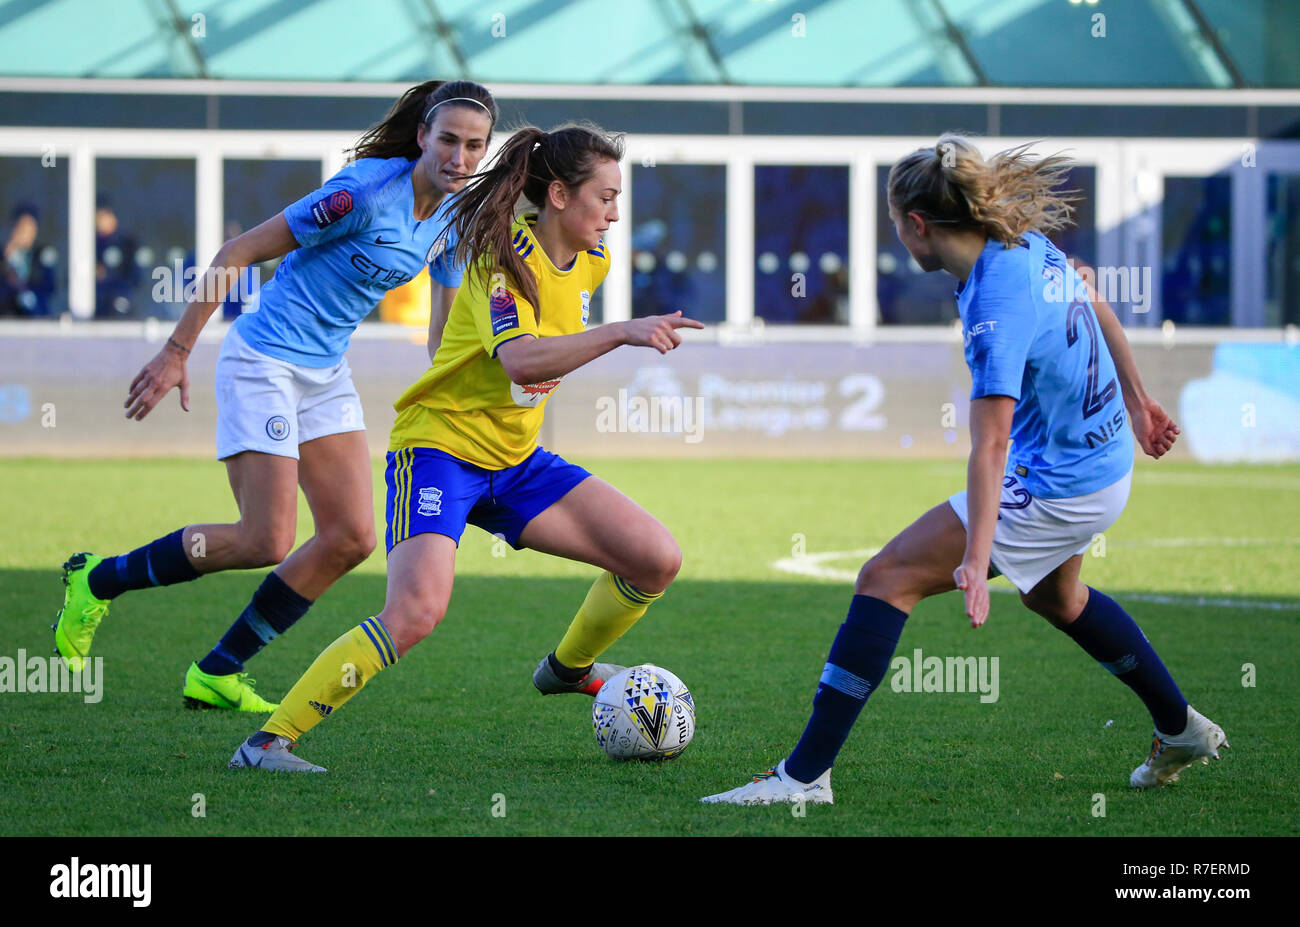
<point x="535" y="360"/>
<point x="1156" y="432"/>
<point x="271" y="239"/>
<point x="990" y="433"/>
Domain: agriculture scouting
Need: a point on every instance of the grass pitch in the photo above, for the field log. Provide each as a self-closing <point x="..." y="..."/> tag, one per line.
<point x="1205" y="558"/>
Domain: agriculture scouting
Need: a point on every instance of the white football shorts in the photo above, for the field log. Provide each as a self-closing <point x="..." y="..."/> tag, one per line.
<point x="268" y="405"/>
<point x="1035" y="536"/>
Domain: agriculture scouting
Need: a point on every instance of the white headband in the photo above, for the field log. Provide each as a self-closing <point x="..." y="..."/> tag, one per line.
<point x="456" y="100"/>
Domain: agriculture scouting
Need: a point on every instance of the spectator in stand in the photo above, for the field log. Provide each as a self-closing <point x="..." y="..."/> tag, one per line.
<point x="27" y="271"/>
<point x="116" y="274"/>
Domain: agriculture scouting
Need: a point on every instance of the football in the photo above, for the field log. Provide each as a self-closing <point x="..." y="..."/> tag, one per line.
<point x="645" y="713"/>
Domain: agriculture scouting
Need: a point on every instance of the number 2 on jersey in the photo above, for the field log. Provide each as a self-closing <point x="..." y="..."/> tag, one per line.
<point x="1093" y="401"/>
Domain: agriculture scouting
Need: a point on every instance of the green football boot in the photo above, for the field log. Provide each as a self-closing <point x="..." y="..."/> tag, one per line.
<point x="234" y="692"/>
<point x="81" y="613"/>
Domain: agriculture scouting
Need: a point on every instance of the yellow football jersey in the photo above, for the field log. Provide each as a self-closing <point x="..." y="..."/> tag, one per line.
<point x="465" y="404"/>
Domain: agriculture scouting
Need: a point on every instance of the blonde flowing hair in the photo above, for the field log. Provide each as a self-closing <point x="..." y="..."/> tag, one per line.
<point x="1009" y="194"/>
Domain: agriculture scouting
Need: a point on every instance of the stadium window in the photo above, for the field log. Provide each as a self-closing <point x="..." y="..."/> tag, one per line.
<point x="1282" y="296"/>
<point x="144" y="236"/>
<point x="801" y="244"/>
<point x="34" y="237"/>
<point x="679" y="243"/>
<point x="254" y="190"/>
<point x="907" y="294"/>
<point x="1080" y="239"/>
<point x="1196" y="241"/>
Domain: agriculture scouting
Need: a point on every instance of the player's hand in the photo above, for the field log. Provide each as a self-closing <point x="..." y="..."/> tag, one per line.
<point x="155" y="380"/>
<point x="974" y="582"/>
<point x="1156" y="432"/>
<point x="658" y="331"/>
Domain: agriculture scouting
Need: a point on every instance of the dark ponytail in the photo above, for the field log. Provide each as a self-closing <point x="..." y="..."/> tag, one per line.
<point x="525" y="166"/>
<point x="396" y="135"/>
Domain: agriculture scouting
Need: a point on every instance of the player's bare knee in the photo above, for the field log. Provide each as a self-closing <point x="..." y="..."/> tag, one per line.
<point x="876" y="576"/>
<point x="265" y="548"/>
<point x="656" y="570"/>
<point x="428" y="617"/>
<point x="1047" y="605"/>
<point x="418" y="628"/>
<point x="413" y="622"/>
<point x="365" y="546"/>
<point x="352" y="546"/>
<point x="663" y="568"/>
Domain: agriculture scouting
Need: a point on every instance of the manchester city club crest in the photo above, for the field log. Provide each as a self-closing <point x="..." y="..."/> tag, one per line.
<point x="436" y="249"/>
<point x="277" y="427"/>
<point x="430" y="501"/>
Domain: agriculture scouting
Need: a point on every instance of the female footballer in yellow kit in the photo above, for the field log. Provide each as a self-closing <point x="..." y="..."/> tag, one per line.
<point x="464" y="447"/>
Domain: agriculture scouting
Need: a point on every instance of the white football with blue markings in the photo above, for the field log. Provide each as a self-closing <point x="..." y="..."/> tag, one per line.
<point x="644" y="712"/>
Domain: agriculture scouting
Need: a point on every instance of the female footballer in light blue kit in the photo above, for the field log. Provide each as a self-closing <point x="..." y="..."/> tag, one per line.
<point x="1054" y="378"/>
<point x="287" y="411"/>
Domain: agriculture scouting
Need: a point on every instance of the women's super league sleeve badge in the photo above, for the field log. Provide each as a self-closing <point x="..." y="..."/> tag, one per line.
<point x="586" y="307"/>
<point x="502" y="310"/>
<point x="332" y="208"/>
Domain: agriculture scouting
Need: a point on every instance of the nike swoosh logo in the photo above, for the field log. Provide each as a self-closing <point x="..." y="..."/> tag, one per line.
<point x="379" y="240"/>
<point x="233" y="704"/>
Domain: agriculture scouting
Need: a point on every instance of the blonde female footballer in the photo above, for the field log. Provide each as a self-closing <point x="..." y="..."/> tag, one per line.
<point x="1053" y="377"/>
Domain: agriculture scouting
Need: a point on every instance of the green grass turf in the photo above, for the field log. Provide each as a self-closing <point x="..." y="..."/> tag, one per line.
<point x="427" y="747"/>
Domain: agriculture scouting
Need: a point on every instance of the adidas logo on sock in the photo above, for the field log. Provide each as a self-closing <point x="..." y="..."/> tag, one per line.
<point x="321" y="709"/>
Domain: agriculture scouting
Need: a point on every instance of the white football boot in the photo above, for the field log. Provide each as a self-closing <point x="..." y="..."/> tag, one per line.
<point x="276" y="755"/>
<point x="776" y="786"/>
<point x="1171" y="754"/>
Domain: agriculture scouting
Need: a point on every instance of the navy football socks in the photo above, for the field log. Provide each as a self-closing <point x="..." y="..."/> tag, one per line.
<point x="158" y="563"/>
<point x="858" y="661"/>
<point x="273" y="610"/>
<point x="1112" y="638"/>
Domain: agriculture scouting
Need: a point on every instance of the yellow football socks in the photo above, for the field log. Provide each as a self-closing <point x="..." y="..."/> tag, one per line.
<point x="337" y="674"/>
<point x="612" y="606"/>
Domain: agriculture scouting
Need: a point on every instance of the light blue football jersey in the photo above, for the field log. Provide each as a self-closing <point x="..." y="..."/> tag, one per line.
<point x="1070" y="429"/>
<point x="358" y="240"/>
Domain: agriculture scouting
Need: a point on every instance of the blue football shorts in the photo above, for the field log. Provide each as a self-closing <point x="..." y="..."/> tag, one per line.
<point x="431" y="491"/>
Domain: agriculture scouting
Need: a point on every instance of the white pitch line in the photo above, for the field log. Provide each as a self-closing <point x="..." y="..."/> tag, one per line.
<point x="1205" y="600"/>
<point x="813" y="565"/>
